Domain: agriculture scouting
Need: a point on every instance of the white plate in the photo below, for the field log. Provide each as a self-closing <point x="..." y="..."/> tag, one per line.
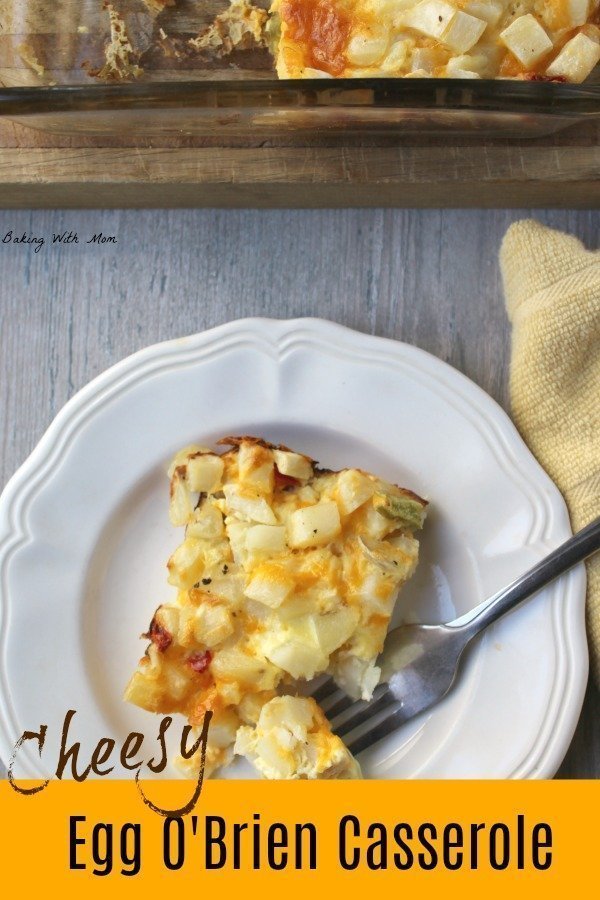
<point x="84" y="536"/>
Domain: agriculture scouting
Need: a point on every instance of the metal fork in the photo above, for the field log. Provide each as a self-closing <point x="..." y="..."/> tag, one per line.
<point x="419" y="663"/>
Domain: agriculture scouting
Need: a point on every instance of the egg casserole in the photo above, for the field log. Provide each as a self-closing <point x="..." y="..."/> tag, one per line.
<point x="523" y="39"/>
<point x="286" y="571"/>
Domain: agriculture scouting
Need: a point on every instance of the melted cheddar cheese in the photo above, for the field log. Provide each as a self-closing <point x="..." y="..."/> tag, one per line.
<point x="523" y="39"/>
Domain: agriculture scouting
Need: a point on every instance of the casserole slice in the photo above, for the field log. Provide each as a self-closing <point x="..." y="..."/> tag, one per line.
<point x="286" y="571"/>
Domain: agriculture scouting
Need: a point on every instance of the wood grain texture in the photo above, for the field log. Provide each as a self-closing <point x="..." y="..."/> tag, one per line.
<point x="42" y="170"/>
<point x="426" y="277"/>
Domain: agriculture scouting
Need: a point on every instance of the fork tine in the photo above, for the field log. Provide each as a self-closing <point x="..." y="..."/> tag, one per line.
<point x="340" y="706"/>
<point x="386" y="726"/>
<point x="365" y="711"/>
<point x="362" y="708"/>
<point x="325" y="690"/>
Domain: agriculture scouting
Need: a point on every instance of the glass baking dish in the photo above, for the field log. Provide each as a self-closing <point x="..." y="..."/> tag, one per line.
<point x="49" y="50"/>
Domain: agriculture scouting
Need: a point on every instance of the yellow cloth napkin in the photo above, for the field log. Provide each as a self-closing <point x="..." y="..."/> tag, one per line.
<point x="552" y="289"/>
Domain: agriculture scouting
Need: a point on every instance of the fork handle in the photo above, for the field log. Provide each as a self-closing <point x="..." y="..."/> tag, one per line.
<point x="573" y="551"/>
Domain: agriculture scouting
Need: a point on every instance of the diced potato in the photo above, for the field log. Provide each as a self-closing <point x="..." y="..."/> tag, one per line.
<point x="186" y="564"/>
<point x="236" y="532"/>
<point x="467" y="66"/>
<point x="307" y="495"/>
<point x="453" y="71"/>
<point x="256" y="466"/>
<point x="299" y="658"/>
<point x="248" y="505"/>
<point x="367" y="49"/>
<point x="168" y="617"/>
<point x="213" y="623"/>
<point x="233" y="664"/>
<point x="430" y="17"/>
<point x="216" y="553"/>
<point x="374" y="524"/>
<point x="396" y="558"/>
<point x="294" y="712"/>
<point x="335" y="628"/>
<point x="426" y="59"/>
<point x="206" y="523"/>
<point x="251" y="705"/>
<point x="270" y="584"/>
<point x="297" y="713"/>
<point x="304" y="629"/>
<point x="204" y="473"/>
<point x="367" y="643"/>
<point x="181" y="508"/>
<point x="578" y="11"/>
<point x="526" y="39"/>
<point x="293" y="464"/>
<point x="152" y="662"/>
<point x="353" y="488"/>
<point x="463" y="32"/>
<point x="182" y="457"/>
<point x="228" y="587"/>
<point x="408" y="547"/>
<point x="185" y="632"/>
<point x="576" y="59"/>
<point x="376" y="595"/>
<point x="396" y="57"/>
<point x="244" y="741"/>
<point x="230" y="692"/>
<point x="144" y="691"/>
<point x="561" y="14"/>
<point x="315" y="525"/>
<point x="488" y="10"/>
<point x="176" y="681"/>
<point x="265" y="539"/>
<point x="274" y="757"/>
<point x="295" y="648"/>
<point x="259" y="613"/>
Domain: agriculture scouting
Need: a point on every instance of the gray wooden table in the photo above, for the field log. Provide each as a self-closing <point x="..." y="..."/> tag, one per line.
<point x="426" y="277"/>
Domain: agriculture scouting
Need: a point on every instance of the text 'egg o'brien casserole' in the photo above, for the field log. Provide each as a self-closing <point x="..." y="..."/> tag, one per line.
<point x="286" y="571"/>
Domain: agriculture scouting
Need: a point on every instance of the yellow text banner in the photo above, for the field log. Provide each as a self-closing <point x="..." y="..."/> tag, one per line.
<point x="486" y="839"/>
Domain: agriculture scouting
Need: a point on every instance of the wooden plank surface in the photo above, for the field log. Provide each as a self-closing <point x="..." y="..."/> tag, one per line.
<point x="42" y="170"/>
<point x="426" y="277"/>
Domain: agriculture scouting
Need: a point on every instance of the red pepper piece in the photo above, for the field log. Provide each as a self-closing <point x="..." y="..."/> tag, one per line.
<point x="200" y="662"/>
